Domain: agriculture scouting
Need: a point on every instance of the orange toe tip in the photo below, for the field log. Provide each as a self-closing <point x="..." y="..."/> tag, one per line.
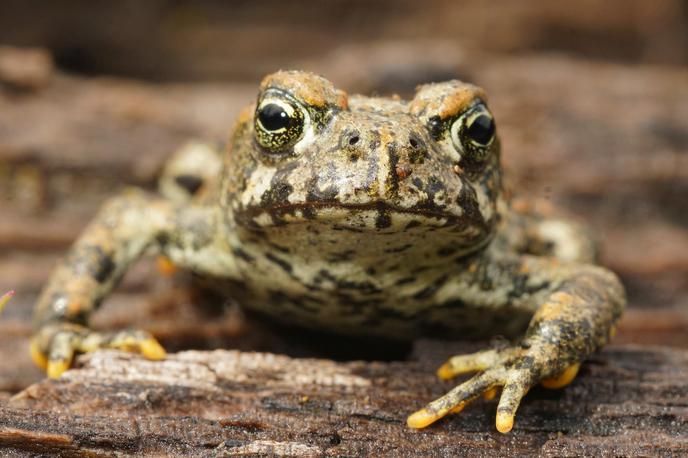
<point x="504" y="422"/>
<point x="490" y="394"/>
<point x="562" y="379"/>
<point x="165" y="267"/>
<point x="422" y="418"/>
<point x="57" y="368"/>
<point x="151" y="349"/>
<point x="37" y="356"/>
<point x="458" y="408"/>
<point x="445" y="372"/>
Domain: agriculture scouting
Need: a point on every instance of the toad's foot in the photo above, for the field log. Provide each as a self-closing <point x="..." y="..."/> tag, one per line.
<point x="54" y="346"/>
<point x="515" y="369"/>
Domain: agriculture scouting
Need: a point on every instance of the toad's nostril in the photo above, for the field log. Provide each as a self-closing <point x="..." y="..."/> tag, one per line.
<point x="418" y="151"/>
<point x="353" y="140"/>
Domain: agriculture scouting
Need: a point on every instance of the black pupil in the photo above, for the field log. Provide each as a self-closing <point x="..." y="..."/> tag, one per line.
<point x="273" y="117"/>
<point x="481" y="129"/>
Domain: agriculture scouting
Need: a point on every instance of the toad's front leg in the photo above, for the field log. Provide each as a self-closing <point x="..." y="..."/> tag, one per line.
<point x="126" y="227"/>
<point x="577" y="306"/>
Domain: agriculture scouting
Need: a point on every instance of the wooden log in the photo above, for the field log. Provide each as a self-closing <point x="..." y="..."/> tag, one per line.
<point x="627" y="400"/>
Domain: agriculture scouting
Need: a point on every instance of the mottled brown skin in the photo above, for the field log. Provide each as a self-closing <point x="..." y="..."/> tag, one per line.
<point x="356" y="215"/>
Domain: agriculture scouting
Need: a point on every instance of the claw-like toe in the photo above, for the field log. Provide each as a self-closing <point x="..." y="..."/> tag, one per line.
<point x="61" y="354"/>
<point x="455" y="400"/>
<point x="514" y="390"/>
<point x="423" y="418"/>
<point x="463" y="364"/>
<point x="151" y="349"/>
<point x="57" y="367"/>
<point x="138" y="342"/>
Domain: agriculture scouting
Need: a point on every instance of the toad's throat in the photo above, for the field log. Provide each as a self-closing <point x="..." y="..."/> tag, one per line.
<point x="334" y="211"/>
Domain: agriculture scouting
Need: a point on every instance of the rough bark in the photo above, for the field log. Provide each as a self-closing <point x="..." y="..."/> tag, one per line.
<point x="628" y="400"/>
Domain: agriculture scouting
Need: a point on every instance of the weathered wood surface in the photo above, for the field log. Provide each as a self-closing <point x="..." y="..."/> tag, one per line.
<point x="627" y="401"/>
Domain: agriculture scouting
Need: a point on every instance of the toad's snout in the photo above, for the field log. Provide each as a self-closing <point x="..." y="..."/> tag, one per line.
<point x="388" y="157"/>
<point x="361" y="145"/>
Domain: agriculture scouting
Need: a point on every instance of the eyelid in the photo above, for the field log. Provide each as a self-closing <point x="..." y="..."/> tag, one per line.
<point x="288" y="107"/>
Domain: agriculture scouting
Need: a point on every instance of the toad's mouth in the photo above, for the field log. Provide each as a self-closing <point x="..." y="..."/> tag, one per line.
<point x="376" y="214"/>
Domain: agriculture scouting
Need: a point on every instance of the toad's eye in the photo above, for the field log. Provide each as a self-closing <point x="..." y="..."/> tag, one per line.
<point x="279" y="124"/>
<point x="473" y="132"/>
<point x="481" y="129"/>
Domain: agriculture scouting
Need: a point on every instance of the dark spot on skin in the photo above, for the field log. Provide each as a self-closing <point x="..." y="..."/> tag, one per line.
<point x="393" y="163"/>
<point x="455" y="303"/>
<point x="190" y="183"/>
<point x="347" y="229"/>
<point x="405" y="280"/>
<point x="279" y="298"/>
<point x="238" y="252"/>
<point x="383" y="220"/>
<point x="279" y="248"/>
<point x="447" y="250"/>
<point x="93" y="261"/>
<point x="364" y="286"/>
<point x="419" y="269"/>
<point x="286" y="266"/>
<point x="106" y="266"/>
<point x="315" y="194"/>
<point x="162" y="239"/>
<point x="435" y="185"/>
<point x="277" y="194"/>
<point x="520" y="286"/>
<point x="280" y="189"/>
<point x="412" y="224"/>
<point x="418" y="183"/>
<point x="342" y="256"/>
<point x="398" y="249"/>
<point x="468" y="201"/>
<point x="428" y="291"/>
<point x="375" y="140"/>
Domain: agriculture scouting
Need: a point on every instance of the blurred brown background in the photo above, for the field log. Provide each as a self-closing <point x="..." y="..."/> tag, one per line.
<point x="591" y="100"/>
